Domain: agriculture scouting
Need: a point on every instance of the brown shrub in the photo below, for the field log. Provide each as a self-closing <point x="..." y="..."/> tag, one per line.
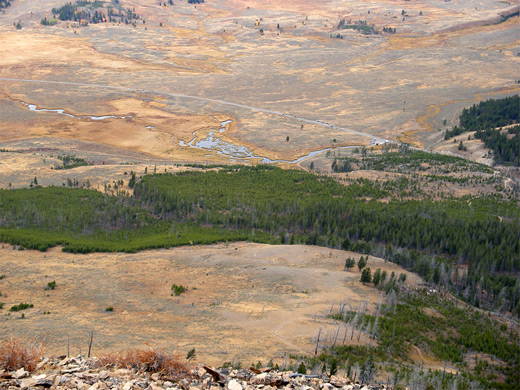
<point x="149" y="360"/>
<point x="15" y="354"/>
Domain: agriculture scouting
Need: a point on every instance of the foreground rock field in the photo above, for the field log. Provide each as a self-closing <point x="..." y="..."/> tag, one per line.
<point x="88" y="374"/>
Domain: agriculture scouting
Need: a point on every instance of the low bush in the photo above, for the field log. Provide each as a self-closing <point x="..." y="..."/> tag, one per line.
<point x="51" y="285"/>
<point x="150" y="360"/>
<point x="21" y="306"/>
<point x="15" y="354"/>
<point x="178" y="289"/>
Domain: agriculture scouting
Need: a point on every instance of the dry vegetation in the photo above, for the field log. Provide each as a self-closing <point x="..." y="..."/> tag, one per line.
<point x="246" y="302"/>
<point x="278" y="57"/>
<point x="150" y="360"/>
<point x="16" y="353"/>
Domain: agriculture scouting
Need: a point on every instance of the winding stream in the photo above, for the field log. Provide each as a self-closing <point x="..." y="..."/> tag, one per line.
<point x="236" y="152"/>
<point x="34" y="107"/>
<point x="211" y="142"/>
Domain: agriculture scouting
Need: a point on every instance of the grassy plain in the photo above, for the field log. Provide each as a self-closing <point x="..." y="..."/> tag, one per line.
<point x="391" y="86"/>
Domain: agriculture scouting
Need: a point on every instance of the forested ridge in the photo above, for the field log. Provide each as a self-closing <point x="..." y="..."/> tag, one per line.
<point x="486" y="119"/>
<point x="267" y="204"/>
<point x="504" y="144"/>
<point x="488" y="114"/>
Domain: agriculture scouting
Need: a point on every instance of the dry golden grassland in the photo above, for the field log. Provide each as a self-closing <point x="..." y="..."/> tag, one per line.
<point x="243" y="301"/>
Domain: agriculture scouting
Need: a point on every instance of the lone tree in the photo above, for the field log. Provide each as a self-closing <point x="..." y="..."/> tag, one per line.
<point x="366" y="276"/>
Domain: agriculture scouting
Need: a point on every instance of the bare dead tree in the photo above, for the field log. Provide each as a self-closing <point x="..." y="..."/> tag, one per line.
<point x="90" y="340"/>
<point x="360" y="331"/>
<point x="345" y="369"/>
<point x="353" y="324"/>
<point x="330" y="310"/>
<point x="368" y="331"/>
<point x="355" y="370"/>
<point x="317" y="342"/>
<point x="379" y="304"/>
<point x="336" y="336"/>
<point x="346" y="332"/>
<point x="374" y="328"/>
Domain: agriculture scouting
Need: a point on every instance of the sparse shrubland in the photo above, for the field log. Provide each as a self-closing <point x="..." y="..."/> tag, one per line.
<point x="417" y="174"/>
<point x="441" y="327"/>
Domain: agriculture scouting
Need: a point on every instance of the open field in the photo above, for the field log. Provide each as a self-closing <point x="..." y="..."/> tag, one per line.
<point x="244" y="302"/>
<point x="24" y="159"/>
<point x="230" y="60"/>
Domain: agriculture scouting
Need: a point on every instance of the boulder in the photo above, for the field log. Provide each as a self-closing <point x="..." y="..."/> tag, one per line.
<point x="20" y="373"/>
<point x="234" y="385"/>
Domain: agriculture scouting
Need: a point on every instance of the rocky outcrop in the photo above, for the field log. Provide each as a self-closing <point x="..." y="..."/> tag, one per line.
<point x="86" y="374"/>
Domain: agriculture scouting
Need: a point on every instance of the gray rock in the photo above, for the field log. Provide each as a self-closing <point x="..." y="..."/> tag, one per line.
<point x="28" y="382"/>
<point x="153" y="386"/>
<point x="234" y="385"/>
<point x="98" y="386"/>
<point x="327" y="386"/>
<point x="19" y="374"/>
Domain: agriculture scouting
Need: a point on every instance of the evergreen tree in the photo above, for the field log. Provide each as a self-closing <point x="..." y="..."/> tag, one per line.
<point x="377" y="277"/>
<point x="361" y="263"/>
<point x="366" y="276"/>
<point x="349" y="263"/>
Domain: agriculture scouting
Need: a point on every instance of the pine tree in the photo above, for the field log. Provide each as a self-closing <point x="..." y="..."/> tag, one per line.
<point x="361" y="263"/>
<point x="366" y="276"/>
<point x="377" y="277"/>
